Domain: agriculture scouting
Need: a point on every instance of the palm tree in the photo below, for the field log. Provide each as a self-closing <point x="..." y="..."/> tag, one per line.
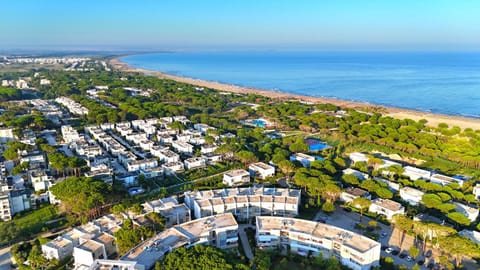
<point x="362" y="204"/>
<point x="287" y="167"/>
<point x="403" y="224"/>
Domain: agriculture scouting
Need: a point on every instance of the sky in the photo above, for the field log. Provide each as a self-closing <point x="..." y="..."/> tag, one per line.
<point x="245" y="24"/>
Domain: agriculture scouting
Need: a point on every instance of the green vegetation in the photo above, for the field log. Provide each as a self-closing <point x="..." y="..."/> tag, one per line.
<point x="27" y="224"/>
<point x="198" y="257"/>
<point x="128" y="236"/>
<point x="82" y="196"/>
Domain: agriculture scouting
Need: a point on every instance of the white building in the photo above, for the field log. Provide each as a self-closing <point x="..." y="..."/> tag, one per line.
<point x="261" y="170"/>
<point x="244" y="203"/>
<point x="386" y="207"/>
<point x="476" y="192"/>
<point x="236" y="177"/>
<point x="416" y="173"/>
<point x="137" y="165"/>
<point x="360" y="175"/>
<point x="59" y="248"/>
<point x="182" y="147"/>
<point x="166" y="155"/>
<point x="194" y="163"/>
<point x="358" y="157"/>
<point x="173" y="212"/>
<point x="472" y="235"/>
<point x="306" y="237"/>
<point x="470" y="212"/>
<point x="302" y="158"/>
<point x="220" y="231"/>
<point x="411" y="195"/>
<point x="350" y="194"/>
<point x="208" y="148"/>
<point x="69" y="134"/>
<point x="202" y="128"/>
<point x="173" y="167"/>
<point x="5" y="210"/>
<point x="444" y="180"/>
<point x="72" y="106"/>
<point x="6" y="135"/>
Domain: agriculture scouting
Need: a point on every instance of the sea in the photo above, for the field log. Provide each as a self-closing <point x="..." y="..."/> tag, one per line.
<point x="436" y="82"/>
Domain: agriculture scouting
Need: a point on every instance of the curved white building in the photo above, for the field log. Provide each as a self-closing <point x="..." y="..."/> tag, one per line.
<point x="312" y="238"/>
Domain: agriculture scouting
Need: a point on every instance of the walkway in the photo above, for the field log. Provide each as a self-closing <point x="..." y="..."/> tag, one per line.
<point x="244" y="239"/>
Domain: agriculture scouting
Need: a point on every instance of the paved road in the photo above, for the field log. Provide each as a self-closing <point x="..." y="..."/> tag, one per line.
<point x="244" y="239"/>
<point x="5" y="258"/>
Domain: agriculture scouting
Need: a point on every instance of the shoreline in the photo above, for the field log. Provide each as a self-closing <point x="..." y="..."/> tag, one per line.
<point x="433" y="119"/>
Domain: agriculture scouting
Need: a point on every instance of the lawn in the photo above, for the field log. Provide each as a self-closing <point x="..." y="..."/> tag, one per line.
<point x="30" y="223"/>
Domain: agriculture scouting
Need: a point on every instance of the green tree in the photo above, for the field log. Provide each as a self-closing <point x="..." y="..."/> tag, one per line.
<point x="247" y="157"/>
<point x="287" y="167"/>
<point x="459" y="247"/>
<point x="351" y="179"/>
<point x="402" y="224"/>
<point x="328" y="207"/>
<point x="361" y="204"/>
<point x="414" y="252"/>
<point x="81" y="195"/>
<point x="459" y="218"/>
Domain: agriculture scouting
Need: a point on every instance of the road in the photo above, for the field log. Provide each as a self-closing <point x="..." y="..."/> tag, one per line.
<point x="5" y="258"/>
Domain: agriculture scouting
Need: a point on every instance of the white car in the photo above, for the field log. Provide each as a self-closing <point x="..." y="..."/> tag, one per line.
<point x="409" y="258"/>
<point x="389" y="250"/>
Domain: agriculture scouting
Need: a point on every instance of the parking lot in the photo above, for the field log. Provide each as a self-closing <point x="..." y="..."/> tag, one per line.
<point x="347" y="220"/>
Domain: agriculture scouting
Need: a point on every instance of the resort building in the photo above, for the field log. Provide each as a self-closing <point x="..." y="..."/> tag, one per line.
<point x="360" y="175"/>
<point x="220" y="231"/>
<point x="411" y="195"/>
<point x="302" y="158"/>
<point x="416" y="173"/>
<point x="261" y="170"/>
<point x="358" y="157"/>
<point x="476" y="192"/>
<point x="386" y="207"/>
<point x="110" y="265"/>
<point x="306" y="238"/>
<point x="173" y="167"/>
<point x="194" y="163"/>
<point x="236" y="177"/>
<point x="166" y="156"/>
<point x="173" y="212"/>
<point x="182" y="147"/>
<point x="444" y="180"/>
<point x="351" y="193"/>
<point x="472" y="235"/>
<point x="244" y="203"/>
<point x="470" y="212"/>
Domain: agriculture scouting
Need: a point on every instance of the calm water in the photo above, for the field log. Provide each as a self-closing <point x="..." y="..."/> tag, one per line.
<point x="438" y="82"/>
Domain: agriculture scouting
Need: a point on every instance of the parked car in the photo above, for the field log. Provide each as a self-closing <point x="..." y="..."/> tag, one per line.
<point x="409" y="258"/>
<point x="383" y="235"/>
<point x="389" y="250"/>
<point x="428" y="254"/>
<point x="395" y="252"/>
<point x="403" y="255"/>
<point x="421" y="262"/>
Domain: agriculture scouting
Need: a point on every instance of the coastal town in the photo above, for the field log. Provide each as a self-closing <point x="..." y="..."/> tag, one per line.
<point x="105" y="168"/>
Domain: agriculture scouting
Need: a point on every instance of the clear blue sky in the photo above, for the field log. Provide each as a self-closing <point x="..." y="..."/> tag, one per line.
<point x="245" y="24"/>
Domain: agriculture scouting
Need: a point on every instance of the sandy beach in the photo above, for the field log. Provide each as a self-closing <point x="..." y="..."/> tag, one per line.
<point x="399" y="113"/>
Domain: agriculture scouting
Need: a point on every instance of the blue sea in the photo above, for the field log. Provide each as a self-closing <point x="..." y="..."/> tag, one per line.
<point x="438" y="82"/>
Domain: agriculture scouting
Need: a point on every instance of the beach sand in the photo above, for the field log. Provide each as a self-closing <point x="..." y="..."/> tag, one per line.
<point x="399" y="113"/>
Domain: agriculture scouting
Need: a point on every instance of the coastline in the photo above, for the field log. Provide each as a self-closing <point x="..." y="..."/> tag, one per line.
<point x="433" y="119"/>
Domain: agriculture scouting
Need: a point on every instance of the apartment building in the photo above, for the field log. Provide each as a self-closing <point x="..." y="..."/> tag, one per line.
<point x="182" y="147"/>
<point x="244" y="203"/>
<point x="444" y="180"/>
<point x="220" y="231"/>
<point x="306" y="238"/>
<point x="415" y="173"/>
